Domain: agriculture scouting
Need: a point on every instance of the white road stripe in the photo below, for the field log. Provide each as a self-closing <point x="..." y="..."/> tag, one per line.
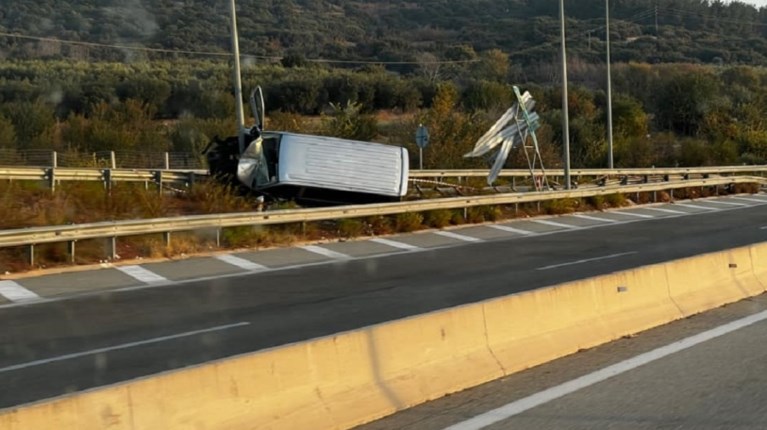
<point x="594" y="218"/>
<point x="326" y="252"/>
<point x="142" y="274"/>
<point x="587" y="260"/>
<point x="16" y="293"/>
<point x="749" y="200"/>
<point x="632" y="214"/>
<point x="241" y="263"/>
<point x="517" y="407"/>
<point x="511" y="229"/>
<point x="763" y="228"/>
<point x="553" y="223"/>
<point x="668" y="211"/>
<point x="726" y="203"/>
<point x="462" y="237"/>
<point x="117" y="347"/>
<point x="686" y="205"/>
<point x="395" y="244"/>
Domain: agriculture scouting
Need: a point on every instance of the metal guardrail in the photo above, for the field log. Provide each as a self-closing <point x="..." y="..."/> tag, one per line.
<point x="112" y="230"/>
<point x="52" y="175"/>
<point x="102" y="159"/>
<point x="642" y="171"/>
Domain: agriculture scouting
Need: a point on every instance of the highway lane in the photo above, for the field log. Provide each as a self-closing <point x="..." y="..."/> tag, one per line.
<point x="279" y="307"/>
<point x="719" y="383"/>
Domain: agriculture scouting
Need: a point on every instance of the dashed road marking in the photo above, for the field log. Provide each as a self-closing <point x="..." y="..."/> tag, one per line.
<point x="668" y="211"/>
<point x="726" y="203"/>
<point x="241" y="263"/>
<point x="16" y="293"/>
<point x="749" y="200"/>
<point x="586" y="260"/>
<point x="511" y="229"/>
<point x="554" y="223"/>
<point x="593" y="218"/>
<point x="687" y="205"/>
<point x="142" y="274"/>
<point x="462" y="237"/>
<point x="395" y="244"/>
<point x="633" y="214"/>
<point x="326" y="252"/>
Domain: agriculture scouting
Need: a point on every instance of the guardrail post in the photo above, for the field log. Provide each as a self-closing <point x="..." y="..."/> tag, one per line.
<point x="71" y="251"/>
<point x="112" y="160"/>
<point x="158" y="180"/>
<point x="166" y="239"/>
<point x="54" y="159"/>
<point x="106" y="176"/>
<point x="32" y="255"/>
<point x="167" y="161"/>
<point x="113" y="248"/>
<point x="51" y="174"/>
<point x="672" y="194"/>
<point x="655" y="197"/>
<point x="218" y="237"/>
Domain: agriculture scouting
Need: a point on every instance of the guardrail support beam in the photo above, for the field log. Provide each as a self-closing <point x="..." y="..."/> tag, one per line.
<point x="166" y="239"/>
<point x="112" y="248"/>
<point x="32" y="255"/>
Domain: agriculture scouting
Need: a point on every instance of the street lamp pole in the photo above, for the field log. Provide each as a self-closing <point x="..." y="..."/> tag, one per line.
<point x="609" y="91"/>
<point x="237" y="80"/>
<point x="565" y="116"/>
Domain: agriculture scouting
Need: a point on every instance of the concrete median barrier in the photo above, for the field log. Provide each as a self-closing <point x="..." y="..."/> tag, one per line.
<point x="340" y="381"/>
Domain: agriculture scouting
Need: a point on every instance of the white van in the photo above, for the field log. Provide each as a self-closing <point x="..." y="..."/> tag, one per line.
<point x="323" y="170"/>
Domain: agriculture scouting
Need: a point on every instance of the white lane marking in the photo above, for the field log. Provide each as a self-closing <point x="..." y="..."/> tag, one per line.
<point x="749" y="200"/>
<point x="16" y="293"/>
<point x="668" y="211"/>
<point x="726" y="203"/>
<point x="395" y="244"/>
<point x="326" y="252"/>
<point x="593" y="218"/>
<point x="686" y="205"/>
<point x="141" y="274"/>
<point x="511" y="229"/>
<point x="241" y="263"/>
<point x="632" y="214"/>
<point x="519" y="406"/>
<point x="554" y="223"/>
<point x="763" y="228"/>
<point x="462" y="237"/>
<point x="587" y="260"/>
<point x="117" y="347"/>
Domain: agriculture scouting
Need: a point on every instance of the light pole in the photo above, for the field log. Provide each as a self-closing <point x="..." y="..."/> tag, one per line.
<point x="237" y="80"/>
<point x="609" y="91"/>
<point x="565" y="116"/>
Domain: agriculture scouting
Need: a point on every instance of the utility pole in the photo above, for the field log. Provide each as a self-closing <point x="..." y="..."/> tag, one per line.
<point x="565" y="116"/>
<point x="609" y="91"/>
<point x="237" y="80"/>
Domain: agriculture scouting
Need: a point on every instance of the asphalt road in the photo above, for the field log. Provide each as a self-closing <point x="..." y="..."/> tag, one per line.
<point x="64" y="346"/>
<point x="720" y="383"/>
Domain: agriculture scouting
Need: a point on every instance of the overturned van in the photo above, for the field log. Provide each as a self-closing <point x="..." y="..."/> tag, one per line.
<point x="314" y="169"/>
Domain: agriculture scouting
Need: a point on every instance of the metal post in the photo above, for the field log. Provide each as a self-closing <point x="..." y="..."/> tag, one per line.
<point x="565" y="117"/>
<point x="237" y="79"/>
<point x="72" y="251"/>
<point x="420" y="158"/>
<point x="609" y="91"/>
<point x="113" y="248"/>
<point x="54" y="159"/>
<point x="167" y="161"/>
<point x="32" y="255"/>
<point x="52" y="172"/>
<point x="166" y="239"/>
<point x="112" y="159"/>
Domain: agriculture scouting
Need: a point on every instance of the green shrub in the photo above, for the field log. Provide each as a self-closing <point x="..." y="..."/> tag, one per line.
<point x="559" y="206"/>
<point x="379" y="225"/>
<point x="351" y="227"/>
<point x="597" y="202"/>
<point x="408" y="221"/>
<point x="438" y="218"/>
<point x="616" y="200"/>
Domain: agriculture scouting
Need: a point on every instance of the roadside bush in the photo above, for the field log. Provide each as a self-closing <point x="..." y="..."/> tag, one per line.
<point x="615" y="200"/>
<point x="379" y="225"/>
<point x="408" y="221"/>
<point x="438" y="218"/>
<point x="597" y="202"/>
<point x="350" y="227"/>
<point x="560" y="206"/>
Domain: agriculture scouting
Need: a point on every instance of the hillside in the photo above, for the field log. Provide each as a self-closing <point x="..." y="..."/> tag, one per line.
<point x="390" y="30"/>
